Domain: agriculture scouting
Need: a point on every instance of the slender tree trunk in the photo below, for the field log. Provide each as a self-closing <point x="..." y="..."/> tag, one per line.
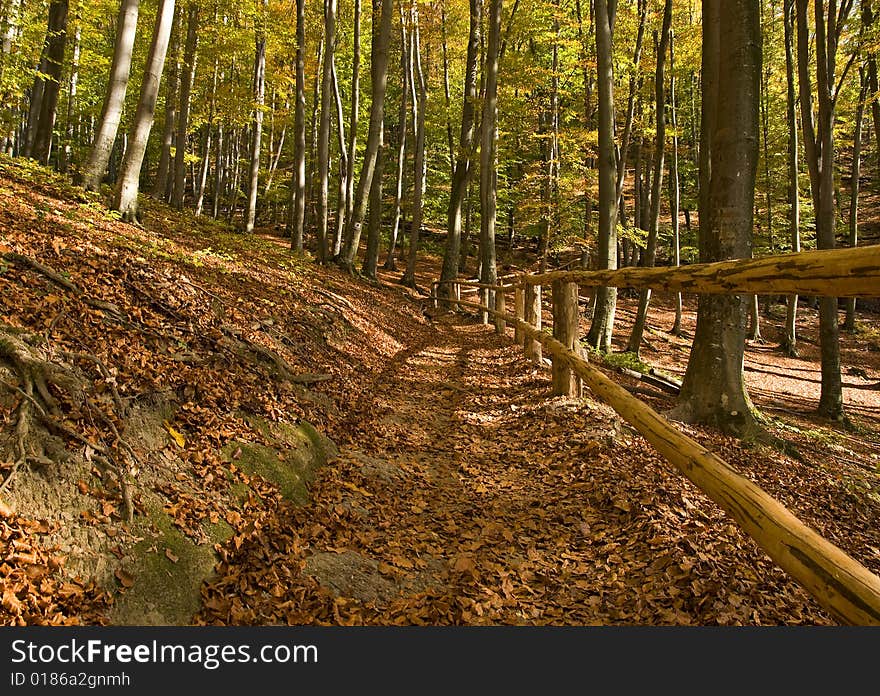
<point x="446" y="93"/>
<point x="188" y="76"/>
<point x="420" y="107"/>
<point x="789" y="341"/>
<point x="164" y="183"/>
<point x="599" y="336"/>
<point x="206" y="143"/>
<point x="406" y="77"/>
<point x="635" y="339"/>
<point x="871" y="62"/>
<point x="324" y="131"/>
<point x="489" y="138"/>
<point x="65" y="153"/>
<point x="713" y="390"/>
<point x="314" y="129"/>
<point x="219" y="167"/>
<point x="56" y="42"/>
<point x="374" y="221"/>
<point x="754" y="332"/>
<point x="257" y="123"/>
<point x="125" y="196"/>
<point x="850" y="322"/>
<point x="674" y="184"/>
<point x="382" y="14"/>
<point x="464" y="158"/>
<point x="341" y="192"/>
<point x="354" y="116"/>
<point x="634" y="86"/>
<point x="819" y="150"/>
<point x="298" y="206"/>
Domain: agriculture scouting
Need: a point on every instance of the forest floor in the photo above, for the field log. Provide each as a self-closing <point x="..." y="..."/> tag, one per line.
<point x="462" y="492"/>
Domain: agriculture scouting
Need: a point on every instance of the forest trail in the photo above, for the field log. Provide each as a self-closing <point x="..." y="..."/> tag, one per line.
<point x="467" y="495"/>
<point x="463" y="493"/>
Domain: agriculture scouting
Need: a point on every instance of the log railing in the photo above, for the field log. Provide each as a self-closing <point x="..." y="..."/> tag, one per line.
<point x="840" y="584"/>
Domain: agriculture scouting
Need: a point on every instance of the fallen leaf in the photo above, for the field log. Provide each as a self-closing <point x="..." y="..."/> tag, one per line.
<point x="126" y="578"/>
<point x="176" y="436"/>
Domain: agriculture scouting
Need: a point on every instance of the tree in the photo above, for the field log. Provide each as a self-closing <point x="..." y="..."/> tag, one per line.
<point x="125" y="195"/>
<point x="259" y="84"/>
<point x="382" y="12"/>
<point x="489" y="137"/>
<point x="188" y="76"/>
<point x="635" y="339"/>
<point x="163" y="185"/>
<point x="323" y="154"/>
<point x="298" y="207"/>
<point x="420" y="108"/>
<point x="713" y="390"/>
<point x="464" y="156"/>
<point x="789" y="340"/>
<point x="48" y="82"/>
<point x="819" y="151"/>
<point x="599" y="336"/>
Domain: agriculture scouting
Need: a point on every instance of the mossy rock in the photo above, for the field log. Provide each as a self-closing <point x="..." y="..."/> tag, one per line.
<point x="167" y="570"/>
<point x="290" y="461"/>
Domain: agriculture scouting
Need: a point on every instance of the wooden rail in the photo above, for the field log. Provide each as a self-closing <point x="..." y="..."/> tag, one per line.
<point x="826" y="273"/>
<point x="840" y="584"/>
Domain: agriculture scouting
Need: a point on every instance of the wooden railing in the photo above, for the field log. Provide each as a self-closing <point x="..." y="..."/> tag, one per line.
<point x="839" y="583"/>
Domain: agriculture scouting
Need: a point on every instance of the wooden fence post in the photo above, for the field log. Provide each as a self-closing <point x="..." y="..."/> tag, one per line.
<point x="565" y="330"/>
<point x="518" y="309"/>
<point x="531" y="347"/>
<point x="500" y="324"/>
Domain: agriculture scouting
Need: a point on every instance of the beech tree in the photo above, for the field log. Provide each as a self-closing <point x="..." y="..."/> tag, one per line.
<point x="125" y="195"/>
<point x="713" y="390"/>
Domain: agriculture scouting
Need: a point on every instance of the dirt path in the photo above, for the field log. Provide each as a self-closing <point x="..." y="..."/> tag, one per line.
<point x="468" y="496"/>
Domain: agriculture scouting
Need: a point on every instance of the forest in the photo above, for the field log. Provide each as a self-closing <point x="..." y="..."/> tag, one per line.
<point x="470" y="312"/>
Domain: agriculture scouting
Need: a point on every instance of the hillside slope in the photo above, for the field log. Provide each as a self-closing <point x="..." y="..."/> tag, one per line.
<point x="171" y="395"/>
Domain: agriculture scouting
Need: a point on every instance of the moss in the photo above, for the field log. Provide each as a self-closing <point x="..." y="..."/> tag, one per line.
<point x="289" y="460"/>
<point x="272" y="465"/>
<point x="630" y="361"/>
<point x="165" y="592"/>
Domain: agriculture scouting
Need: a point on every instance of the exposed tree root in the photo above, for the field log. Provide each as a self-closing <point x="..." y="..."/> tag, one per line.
<point x="37" y="373"/>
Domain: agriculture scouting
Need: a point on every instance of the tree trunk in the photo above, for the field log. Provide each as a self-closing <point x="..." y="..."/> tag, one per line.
<point x="188" y="76"/>
<point x="634" y="85"/>
<point x="298" y="207"/>
<point x="635" y="339"/>
<point x="403" y="115"/>
<point x="378" y="81"/>
<point x="125" y="196"/>
<point x="324" y="131"/>
<point x="354" y="115"/>
<point x="341" y="192"/>
<point x="850" y="322"/>
<point x="65" y="153"/>
<point x="464" y="158"/>
<point x="374" y="221"/>
<point x="259" y="85"/>
<point x="819" y="150"/>
<point x="446" y="93"/>
<point x="163" y="186"/>
<point x="599" y="336"/>
<point x="674" y="184"/>
<point x="206" y="143"/>
<point x="420" y="108"/>
<point x="489" y="139"/>
<point x="56" y="42"/>
<point x="789" y="341"/>
<point x="713" y="391"/>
